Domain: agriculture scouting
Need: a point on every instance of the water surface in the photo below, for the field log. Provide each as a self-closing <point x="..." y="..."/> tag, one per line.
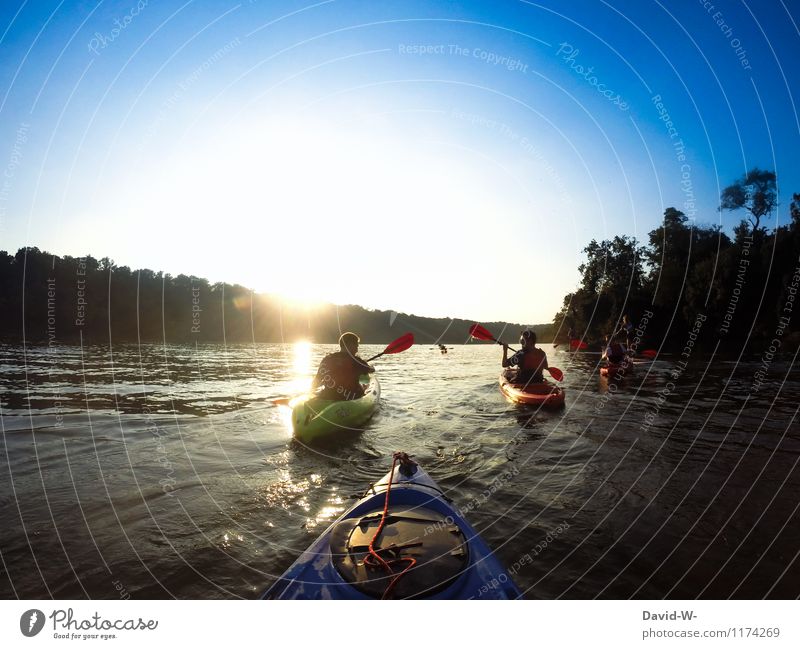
<point x="165" y="471"/>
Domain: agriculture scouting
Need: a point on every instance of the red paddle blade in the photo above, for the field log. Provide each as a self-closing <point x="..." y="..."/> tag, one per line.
<point x="649" y="353"/>
<point x="476" y="331"/>
<point x="280" y="402"/>
<point x="400" y="345"/>
<point x="577" y="344"/>
<point x="556" y="373"/>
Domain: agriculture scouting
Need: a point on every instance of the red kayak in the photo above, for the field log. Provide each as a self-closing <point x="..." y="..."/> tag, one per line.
<point x="621" y="370"/>
<point x="544" y="394"/>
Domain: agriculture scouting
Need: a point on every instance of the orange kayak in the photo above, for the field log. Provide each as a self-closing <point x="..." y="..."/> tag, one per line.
<point x="544" y="394"/>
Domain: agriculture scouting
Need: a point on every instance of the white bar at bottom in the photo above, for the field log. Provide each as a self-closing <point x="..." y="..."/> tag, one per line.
<point x="534" y="624"/>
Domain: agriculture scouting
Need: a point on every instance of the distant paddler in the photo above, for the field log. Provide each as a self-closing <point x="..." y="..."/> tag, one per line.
<point x="575" y="343"/>
<point x="614" y="353"/>
<point x="626" y="329"/>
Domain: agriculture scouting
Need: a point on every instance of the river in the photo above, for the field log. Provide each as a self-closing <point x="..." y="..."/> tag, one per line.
<point x="150" y="471"/>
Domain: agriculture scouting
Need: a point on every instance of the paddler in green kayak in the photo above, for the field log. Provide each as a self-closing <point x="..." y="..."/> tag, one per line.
<point x="338" y="372"/>
<point x="530" y="360"/>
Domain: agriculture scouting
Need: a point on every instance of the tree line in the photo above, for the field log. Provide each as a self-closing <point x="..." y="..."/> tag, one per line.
<point x="45" y="298"/>
<point x="691" y="276"/>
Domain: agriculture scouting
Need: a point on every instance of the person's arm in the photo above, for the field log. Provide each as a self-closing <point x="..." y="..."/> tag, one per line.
<point x="625" y="329"/>
<point x="364" y="366"/>
<point x="319" y="379"/>
<point x="506" y="362"/>
<point x="327" y="372"/>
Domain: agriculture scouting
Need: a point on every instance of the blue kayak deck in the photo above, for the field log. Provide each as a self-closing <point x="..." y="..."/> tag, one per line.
<point x="315" y="576"/>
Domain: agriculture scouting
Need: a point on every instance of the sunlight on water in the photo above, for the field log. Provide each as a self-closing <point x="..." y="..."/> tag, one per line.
<point x="325" y="515"/>
<point x="287" y="491"/>
<point x="301" y="366"/>
<point x="229" y="539"/>
<point x="286" y="418"/>
<point x="300" y="381"/>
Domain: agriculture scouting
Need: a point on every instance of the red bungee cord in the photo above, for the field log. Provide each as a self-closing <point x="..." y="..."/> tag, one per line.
<point x="387" y="565"/>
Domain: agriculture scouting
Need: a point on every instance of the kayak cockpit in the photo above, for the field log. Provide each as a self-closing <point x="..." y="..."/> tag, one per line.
<point x="433" y="544"/>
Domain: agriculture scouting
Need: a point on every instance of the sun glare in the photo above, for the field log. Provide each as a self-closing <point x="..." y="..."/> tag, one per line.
<point x="301" y="362"/>
<point x="317" y="214"/>
<point x="301" y="297"/>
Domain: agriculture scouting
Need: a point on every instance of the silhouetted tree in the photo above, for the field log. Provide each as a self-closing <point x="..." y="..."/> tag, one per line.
<point x="794" y="210"/>
<point x="611" y="284"/>
<point x="691" y="270"/>
<point x="755" y="192"/>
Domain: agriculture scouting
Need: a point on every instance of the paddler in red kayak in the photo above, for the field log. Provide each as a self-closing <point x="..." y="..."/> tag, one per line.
<point x="626" y="329"/>
<point x="338" y="372"/>
<point x="530" y="360"/>
<point x="614" y="353"/>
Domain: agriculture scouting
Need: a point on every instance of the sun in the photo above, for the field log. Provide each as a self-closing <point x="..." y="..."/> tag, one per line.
<point x="297" y="296"/>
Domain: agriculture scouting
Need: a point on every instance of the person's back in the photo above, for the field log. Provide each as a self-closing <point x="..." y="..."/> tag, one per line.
<point x="626" y="329"/>
<point x="615" y="353"/>
<point x="530" y="360"/>
<point x="339" y="372"/>
<point x="531" y="366"/>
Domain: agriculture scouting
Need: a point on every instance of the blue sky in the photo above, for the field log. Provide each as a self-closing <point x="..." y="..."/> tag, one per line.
<point x="436" y="158"/>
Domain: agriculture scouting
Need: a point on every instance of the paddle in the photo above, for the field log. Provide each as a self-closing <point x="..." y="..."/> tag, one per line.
<point x="481" y="333"/>
<point x="400" y="345"/>
<point x="649" y="353"/>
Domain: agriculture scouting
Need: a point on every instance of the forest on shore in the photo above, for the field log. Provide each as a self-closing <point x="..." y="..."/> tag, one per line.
<point x="694" y="282"/>
<point x="49" y="299"/>
<point x="690" y="281"/>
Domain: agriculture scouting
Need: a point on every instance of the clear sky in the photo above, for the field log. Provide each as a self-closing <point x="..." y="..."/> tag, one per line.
<point x="438" y="158"/>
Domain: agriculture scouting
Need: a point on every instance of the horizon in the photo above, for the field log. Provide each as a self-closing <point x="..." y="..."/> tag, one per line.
<point x="426" y="154"/>
<point x="286" y="301"/>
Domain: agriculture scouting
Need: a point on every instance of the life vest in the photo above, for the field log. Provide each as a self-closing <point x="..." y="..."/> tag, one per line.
<point x="533" y="361"/>
<point x="338" y="373"/>
<point x="615" y="352"/>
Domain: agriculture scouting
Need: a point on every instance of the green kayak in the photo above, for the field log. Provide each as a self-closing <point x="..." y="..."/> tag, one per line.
<point x="317" y="419"/>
